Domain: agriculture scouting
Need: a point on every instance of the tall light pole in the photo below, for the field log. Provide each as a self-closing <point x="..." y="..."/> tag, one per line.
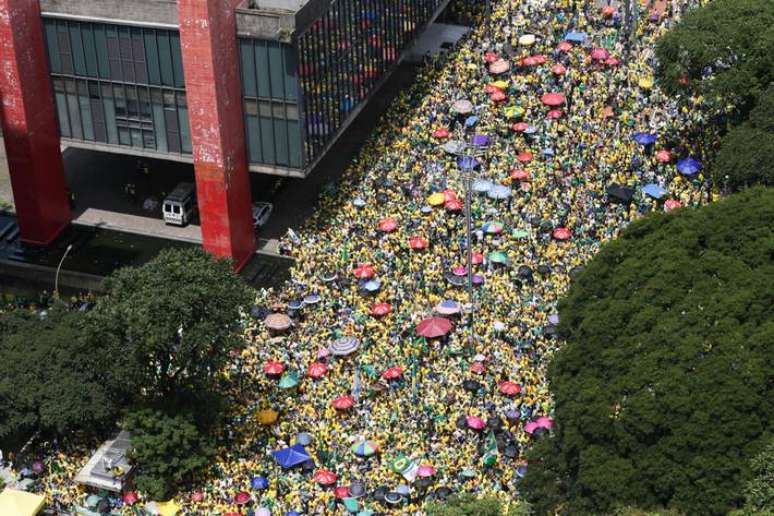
<point x="58" y="268"/>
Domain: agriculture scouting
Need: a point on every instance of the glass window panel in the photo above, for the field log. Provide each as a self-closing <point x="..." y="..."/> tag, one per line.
<point x="267" y="140"/>
<point x="53" y="48"/>
<point x="173" y="135"/>
<point x="165" y="59"/>
<point x="276" y="70"/>
<point x="152" y="57"/>
<point x="248" y="67"/>
<point x="262" y="65"/>
<point x="76" y="46"/>
<point x="136" y="135"/>
<point x="83" y="100"/>
<point x="291" y="68"/>
<point x="158" y="120"/>
<point x="291" y="112"/>
<point x="110" y="113"/>
<point x="138" y="52"/>
<point x="185" y="126"/>
<point x="100" y="43"/>
<point x="73" y="109"/>
<point x="177" y="59"/>
<point x="98" y="116"/>
<point x="65" y="55"/>
<point x="114" y="55"/>
<point x="294" y="144"/>
<point x="281" y="141"/>
<point x="253" y="140"/>
<point x="89" y="50"/>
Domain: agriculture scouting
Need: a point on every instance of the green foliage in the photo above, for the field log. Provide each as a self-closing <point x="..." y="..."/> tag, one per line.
<point x="733" y="38"/>
<point x="467" y="505"/>
<point x="51" y="379"/>
<point x="663" y="390"/>
<point x="759" y="491"/>
<point x="176" y="320"/>
<point x="746" y="151"/>
<point x="167" y="449"/>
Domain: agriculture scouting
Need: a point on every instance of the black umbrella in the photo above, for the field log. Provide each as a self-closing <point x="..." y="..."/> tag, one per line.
<point x="544" y="269"/>
<point x="511" y="451"/>
<point x="620" y="194"/>
<point x="457" y="281"/>
<point x="471" y="385"/>
<point x="356" y="489"/>
<point x="378" y="493"/>
<point x="423" y="483"/>
<point x="525" y="272"/>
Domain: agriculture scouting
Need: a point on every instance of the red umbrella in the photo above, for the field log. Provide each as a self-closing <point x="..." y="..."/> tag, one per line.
<point x="273" y="368"/>
<point x="478" y="367"/>
<point x="434" y="327"/>
<point x="552" y="99"/>
<point x="343" y="403"/>
<point x="325" y="477"/>
<point x="453" y="205"/>
<point x="441" y="133"/>
<point x="197" y="497"/>
<point x="612" y="61"/>
<point x="242" y="498"/>
<point x="510" y="388"/>
<point x="529" y="61"/>
<point x="388" y="225"/>
<point x="558" y="69"/>
<point x="449" y="195"/>
<point x="317" y="370"/>
<point x="539" y="59"/>
<point x="417" y="243"/>
<point x="519" y="174"/>
<point x="491" y="88"/>
<point x="381" y="309"/>
<point x="564" y="46"/>
<point x="498" y="96"/>
<point x="520" y="127"/>
<point x="554" y="114"/>
<point x="341" y="492"/>
<point x="600" y="54"/>
<point x="608" y="11"/>
<point x="672" y="204"/>
<point x="476" y="423"/>
<point x="364" y="271"/>
<point x="664" y="156"/>
<point x="524" y="156"/>
<point x="393" y="373"/>
<point x="130" y="498"/>
<point x="491" y="57"/>
<point x="477" y="258"/>
<point x="562" y="234"/>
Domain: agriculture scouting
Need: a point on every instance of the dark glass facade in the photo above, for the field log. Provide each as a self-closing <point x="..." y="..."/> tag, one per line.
<point x="119" y="85"/>
<point x="270" y="102"/>
<point x="343" y="55"/>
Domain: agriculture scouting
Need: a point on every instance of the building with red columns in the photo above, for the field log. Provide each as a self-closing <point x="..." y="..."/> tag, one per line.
<point x="231" y="86"/>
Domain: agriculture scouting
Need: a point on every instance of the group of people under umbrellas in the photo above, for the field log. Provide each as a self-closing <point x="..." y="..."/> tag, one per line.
<point x="386" y="373"/>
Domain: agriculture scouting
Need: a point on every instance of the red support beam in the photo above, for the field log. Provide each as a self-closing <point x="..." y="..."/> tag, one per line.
<point x="214" y="94"/>
<point x="29" y="125"/>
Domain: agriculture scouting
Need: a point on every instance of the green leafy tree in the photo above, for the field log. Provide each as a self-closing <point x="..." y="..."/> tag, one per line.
<point x="470" y="505"/>
<point x="759" y="491"/>
<point x="175" y="319"/>
<point x="167" y="450"/>
<point x="52" y="379"/>
<point x="663" y="389"/>
<point x="725" y="50"/>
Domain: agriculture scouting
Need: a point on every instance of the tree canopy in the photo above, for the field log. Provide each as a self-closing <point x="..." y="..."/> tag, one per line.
<point x="175" y="318"/>
<point x="663" y="389"/>
<point x="725" y="49"/>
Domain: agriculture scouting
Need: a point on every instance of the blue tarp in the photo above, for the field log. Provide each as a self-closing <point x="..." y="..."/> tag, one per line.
<point x="576" y="37"/>
<point x="467" y="162"/>
<point x="654" y="190"/>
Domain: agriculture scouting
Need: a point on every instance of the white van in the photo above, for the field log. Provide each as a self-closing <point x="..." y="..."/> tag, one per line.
<point x="180" y="205"/>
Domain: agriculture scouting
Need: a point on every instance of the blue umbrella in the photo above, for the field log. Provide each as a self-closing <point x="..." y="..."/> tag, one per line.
<point x="576" y="37"/>
<point x="471" y="121"/>
<point x="467" y="162"/>
<point x="688" y="167"/>
<point x="480" y="140"/>
<point x="482" y="185"/>
<point x="531" y="130"/>
<point x="654" y="190"/>
<point x="372" y="285"/>
<point x="548" y="151"/>
<point x="260" y="483"/>
<point x="499" y="192"/>
<point x="291" y="456"/>
<point x="645" y="138"/>
<point x="294" y="305"/>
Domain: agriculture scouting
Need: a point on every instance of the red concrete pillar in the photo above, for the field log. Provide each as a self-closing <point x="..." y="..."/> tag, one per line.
<point x="213" y="90"/>
<point x="29" y="124"/>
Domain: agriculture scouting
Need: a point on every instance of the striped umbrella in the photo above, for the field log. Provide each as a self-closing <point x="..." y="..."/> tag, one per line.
<point x="493" y="227"/>
<point x="344" y="346"/>
<point x="277" y="322"/>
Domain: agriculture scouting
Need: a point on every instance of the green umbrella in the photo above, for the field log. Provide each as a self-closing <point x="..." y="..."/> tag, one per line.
<point x="351" y="504"/>
<point x="520" y="233"/>
<point x="400" y="464"/>
<point x="498" y="257"/>
<point x="288" y="380"/>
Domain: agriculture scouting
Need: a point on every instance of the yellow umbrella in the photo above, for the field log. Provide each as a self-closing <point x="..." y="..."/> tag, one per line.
<point x="500" y="84"/>
<point x="20" y="503"/>
<point x="436" y="199"/>
<point x="169" y="508"/>
<point x="267" y="417"/>
<point x="514" y="112"/>
<point x="646" y="83"/>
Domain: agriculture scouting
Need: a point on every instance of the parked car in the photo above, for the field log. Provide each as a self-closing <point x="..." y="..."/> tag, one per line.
<point x="261" y="214"/>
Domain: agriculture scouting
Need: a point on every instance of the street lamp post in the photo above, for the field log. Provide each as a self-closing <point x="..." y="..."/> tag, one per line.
<point x="59" y="268"/>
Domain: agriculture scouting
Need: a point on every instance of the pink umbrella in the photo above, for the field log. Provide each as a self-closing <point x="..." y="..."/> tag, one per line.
<point x="364" y="271"/>
<point x="599" y="54"/>
<point x="434" y="327"/>
<point x="477" y="258"/>
<point x="498" y="96"/>
<point x="608" y="11"/>
<point x="554" y="114"/>
<point x="612" y="61"/>
<point x="478" y="367"/>
<point x="490" y="57"/>
<point x="381" y="309"/>
<point x="448" y="195"/>
<point x="242" y="498"/>
<point x="530" y="427"/>
<point x="672" y="204"/>
<point x="197" y="497"/>
<point x="343" y="403"/>
<point x="564" y="46"/>
<point x="510" y="388"/>
<point x="341" y="492"/>
<point x="425" y="470"/>
<point x="529" y="61"/>
<point x="545" y="422"/>
<point x="539" y="58"/>
<point x="388" y="225"/>
<point x="552" y="99"/>
<point x="558" y="69"/>
<point x="418" y="243"/>
<point x="130" y="498"/>
<point x="393" y="373"/>
<point x="562" y="234"/>
<point x="475" y="423"/>
<point x="273" y="368"/>
<point x="453" y="205"/>
<point x="316" y="370"/>
<point x="325" y="477"/>
<point x="520" y="127"/>
<point x="519" y="174"/>
<point x="499" y="66"/>
<point x="441" y="133"/>
<point x="663" y="156"/>
<point x="460" y="271"/>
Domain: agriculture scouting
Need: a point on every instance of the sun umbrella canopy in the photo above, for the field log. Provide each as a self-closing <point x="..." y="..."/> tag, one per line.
<point x="520" y="127"/>
<point x="434" y="327"/>
<point x="524" y="157"/>
<point x="364" y="271"/>
<point x="344" y="346"/>
<point x="599" y="54"/>
<point x="552" y="99"/>
<point x="325" y="477"/>
<point x="316" y="370"/>
<point x="273" y="368"/>
<point x="645" y="138"/>
<point x="381" y="309"/>
<point x="475" y="422"/>
<point x="527" y="40"/>
<point x="453" y="147"/>
<point x="425" y="471"/>
<point x="618" y="193"/>
<point x="467" y="162"/>
<point x="498" y="257"/>
<point x="499" y="192"/>
<point x="371" y="285"/>
<point x="478" y="367"/>
<point x="482" y="185"/>
<point x="418" y="243"/>
<point x="267" y="417"/>
<point x="558" y="69"/>
<point x="510" y="388"/>
<point x="242" y="498"/>
<point x="654" y="190"/>
<point x="365" y="448"/>
<point x="453" y="205"/>
<point x="575" y="36"/>
<point x="612" y="61"/>
<point x="562" y="234"/>
<point x="564" y="46"/>
<point x="393" y="373"/>
<point x="497" y="96"/>
<point x="130" y="498"/>
<point x="663" y="156"/>
<point x="343" y="403"/>
<point x="519" y="174"/>
<point x="493" y="227"/>
<point x="436" y="199"/>
<point x="689" y="167"/>
<point x="490" y="57"/>
<point x="288" y="380"/>
<point x="499" y="66"/>
<point x="277" y="322"/>
<point x="448" y="307"/>
<point x="388" y="225"/>
<point x="672" y="204"/>
<point x="554" y="114"/>
<point x="291" y="456"/>
<point x="463" y="107"/>
<point x="441" y="133"/>
<point x="480" y="140"/>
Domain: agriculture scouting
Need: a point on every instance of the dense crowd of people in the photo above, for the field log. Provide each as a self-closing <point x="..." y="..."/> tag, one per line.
<point x="556" y="135"/>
